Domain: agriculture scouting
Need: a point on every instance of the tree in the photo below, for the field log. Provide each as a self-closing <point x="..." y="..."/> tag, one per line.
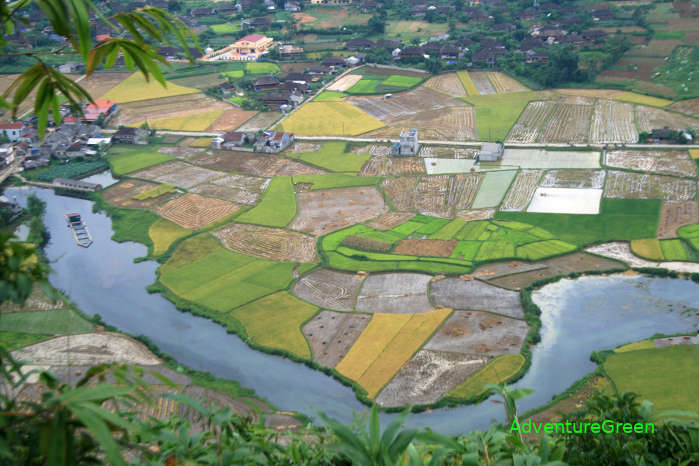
<point x="377" y="24"/>
<point x="70" y="19"/>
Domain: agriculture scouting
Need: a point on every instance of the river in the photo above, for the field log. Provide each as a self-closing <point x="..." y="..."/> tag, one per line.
<point x="579" y="316"/>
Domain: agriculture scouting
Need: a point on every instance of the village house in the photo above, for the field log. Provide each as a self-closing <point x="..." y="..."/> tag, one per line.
<point x="12" y="131"/>
<point x="232" y="140"/>
<point x="100" y="107"/>
<point x="7" y="154"/>
<point x="273" y="141"/>
<point x="490" y="152"/>
<point x="256" y="23"/>
<point x="290" y="51"/>
<point x="227" y="8"/>
<point x="125" y="135"/>
<point x="76" y="185"/>
<point x="408" y="144"/>
<point x="265" y="83"/>
<point x="248" y="48"/>
<point x="333" y="62"/>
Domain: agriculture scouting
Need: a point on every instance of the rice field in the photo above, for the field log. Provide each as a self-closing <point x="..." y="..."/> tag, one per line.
<point x="493" y="188"/>
<point x="542" y="158"/>
<point x="568" y="123"/>
<point x="163" y="233"/>
<point x="503" y="83"/>
<point x="497" y="113"/>
<point x="613" y="122"/>
<point x="130" y="160"/>
<point x="528" y="126"/>
<point x="566" y="201"/>
<point x="627" y="185"/>
<point x="468" y="83"/>
<point x="496" y="371"/>
<point x="195" y="122"/>
<point x="643" y="99"/>
<point x="330" y="119"/>
<point x="522" y="190"/>
<point x="387" y="343"/>
<point x="135" y="88"/>
<point x="278" y="205"/>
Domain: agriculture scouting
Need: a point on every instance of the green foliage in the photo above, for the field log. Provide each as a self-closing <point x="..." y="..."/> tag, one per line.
<point x="72" y="169"/>
<point x="130" y="160"/>
<point x="333" y="156"/>
<point x="619" y="220"/>
<point x="53" y="322"/>
<point x="261" y="67"/>
<point x="15" y="340"/>
<point x="132" y="225"/>
<point x="278" y="205"/>
<point x="496" y="113"/>
<point x="330" y="95"/>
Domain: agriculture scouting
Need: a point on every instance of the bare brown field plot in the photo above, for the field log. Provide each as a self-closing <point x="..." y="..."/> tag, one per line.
<point x="481" y="333"/>
<point x="243" y="162"/>
<point x="395" y="293"/>
<point x="656" y="48"/>
<point x="428" y="376"/>
<point x="268" y="243"/>
<point x="564" y="178"/>
<point x="329" y="289"/>
<point x="475" y="214"/>
<point x="522" y="190"/>
<point x="401" y="191"/>
<point x="239" y="189"/>
<point x="231" y="119"/>
<point x="665" y="162"/>
<point x="345" y="82"/>
<point x="690" y="107"/>
<point x="320" y="212"/>
<point x="261" y="121"/>
<point x="528" y="125"/>
<point x="448" y="83"/>
<point x="287" y="167"/>
<point x="649" y="118"/>
<point x="594" y="93"/>
<point x="503" y="83"/>
<point x="637" y="186"/>
<point x="567" y="123"/>
<point x="181" y="152"/>
<point x="393" y="166"/>
<point x="188" y="105"/>
<point x="480" y="79"/>
<point x="425" y="247"/>
<point x="121" y="195"/>
<point x="452" y="123"/>
<point x="177" y="173"/>
<point x="332" y="334"/>
<point x="397" y="71"/>
<point x="475" y="295"/>
<point x="430" y="196"/>
<point x="194" y="211"/>
<point x="100" y="82"/>
<point x="674" y="214"/>
<point x="390" y="220"/>
<point x="613" y="122"/>
<point x="404" y="103"/>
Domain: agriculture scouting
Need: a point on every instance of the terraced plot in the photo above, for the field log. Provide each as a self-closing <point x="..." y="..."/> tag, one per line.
<point x="178" y="173"/>
<point x="390" y="220"/>
<point x="323" y="211"/>
<point x="329" y="289"/>
<point x="567" y="123"/>
<point x="395" y="293"/>
<point x="163" y="234"/>
<point x="503" y="83"/>
<point x="393" y="166"/>
<point x="483" y="84"/>
<point x="193" y="211"/>
<point x="493" y="188"/>
<point x="430" y="196"/>
<point x="522" y="190"/>
<point x="448" y="83"/>
<point x="627" y="185"/>
<point x="477" y="296"/>
<point x="613" y="122"/>
<point x="528" y="126"/>
<point x="573" y="179"/>
<point x="649" y="118"/>
<point x="542" y="158"/>
<point x="401" y="191"/>
<point x="404" y="104"/>
<point x="241" y="162"/>
<point x="332" y="334"/>
<point x="268" y="243"/>
<point x="675" y="214"/>
<point x="428" y="377"/>
<point x="330" y="118"/>
<point x="451" y="123"/>
<point x="122" y="194"/>
<point x="425" y="247"/>
<point x="669" y="162"/>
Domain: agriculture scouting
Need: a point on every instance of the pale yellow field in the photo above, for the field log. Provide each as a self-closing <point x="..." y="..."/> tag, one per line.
<point x="330" y="119"/>
<point x="388" y="342"/>
<point x="163" y="233"/>
<point x="637" y="345"/>
<point x="201" y="142"/>
<point x="196" y="122"/>
<point x="466" y="80"/>
<point x="694" y="153"/>
<point x="647" y="249"/>
<point x="503" y="83"/>
<point x="496" y="371"/>
<point x="135" y="88"/>
<point x="642" y="99"/>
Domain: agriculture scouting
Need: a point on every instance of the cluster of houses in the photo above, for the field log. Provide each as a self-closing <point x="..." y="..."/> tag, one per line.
<point x="266" y="142"/>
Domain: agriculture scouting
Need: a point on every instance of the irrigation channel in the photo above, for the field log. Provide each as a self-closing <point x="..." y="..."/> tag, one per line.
<point x="579" y="316"/>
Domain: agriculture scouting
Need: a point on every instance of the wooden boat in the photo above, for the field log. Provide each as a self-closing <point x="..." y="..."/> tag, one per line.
<point x="80" y="232"/>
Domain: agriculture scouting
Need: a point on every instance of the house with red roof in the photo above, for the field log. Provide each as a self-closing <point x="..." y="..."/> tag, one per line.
<point x="92" y="112"/>
<point x="13" y="130"/>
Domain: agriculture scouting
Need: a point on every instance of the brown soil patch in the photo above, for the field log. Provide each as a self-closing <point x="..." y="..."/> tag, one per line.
<point x="394" y="71"/>
<point x="231" y="119"/>
<point x="245" y="189"/>
<point x="401" y="191"/>
<point x="261" y="121"/>
<point x="329" y="289"/>
<point x="649" y="118"/>
<point x="100" y="83"/>
<point x="304" y="18"/>
<point x="674" y="214"/>
<point x="476" y="214"/>
<point x="168" y="107"/>
<point x="576" y="262"/>
<point x="393" y="166"/>
<point x="430" y="194"/>
<point x="121" y="195"/>
<point x="194" y="211"/>
<point x="453" y="123"/>
<point x="481" y="333"/>
<point x="296" y="67"/>
<point x="181" y="152"/>
<point x="601" y="93"/>
<point x="449" y="84"/>
<point x="425" y="247"/>
<point x="324" y="211"/>
<point x="268" y="243"/>
<point x="332" y="334"/>
<point x="403" y="104"/>
<point x="690" y="107"/>
<point x="572" y="403"/>
<point x="475" y="295"/>
<point x="644" y="71"/>
<point x="177" y="173"/>
<point x="286" y="167"/>
<point x="242" y="162"/>
<point x="390" y="220"/>
<point x="396" y="293"/>
<point x="627" y="185"/>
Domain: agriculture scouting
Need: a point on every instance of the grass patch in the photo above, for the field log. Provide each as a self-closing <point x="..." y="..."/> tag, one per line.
<point x="278" y="205"/>
<point x="637" y="345"/>
<point x="54" y="322"/>
<point x="132" y="225"/>
<point x="330" y="119"/>
<point x="449" y="230"/>
<point x="332" y="156"/>
<point x="154" y="192"/>
<point x="385" y="345"/>
<point x="364" y="86"/>
<point x="496" y="371"/>
<point x="496" y="113"/>
<point x="275" y="321"/>
<point x="493" y="188"/>
<point x="196" y="122"/>
<point x="647" y="248"/>
<point x="542" y="249"/>
<point x="666" y="376"/>
<point x="467" y="82"/>
<point x="135" y="88"/>
<point x="466" y="250"/>
<point x="336" y="180"/>
<point x="330" y="96"/>
<point x="257" y="67"/>
<point x="642" y="99"/>
<point x="691" y="234"/>
<point x="401" y="81"/>
<point x="226" y="28"/>
<point x="131" y="160"/>
<point x="15" y="340"/>
<point x="235" y="74"/>
<point x="619" y="219"/>
<point x="673" y="249"/>
<point x="163" y="233"/>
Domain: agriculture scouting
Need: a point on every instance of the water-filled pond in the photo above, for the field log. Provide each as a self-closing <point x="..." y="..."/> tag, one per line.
<point x="579" y="316"/>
